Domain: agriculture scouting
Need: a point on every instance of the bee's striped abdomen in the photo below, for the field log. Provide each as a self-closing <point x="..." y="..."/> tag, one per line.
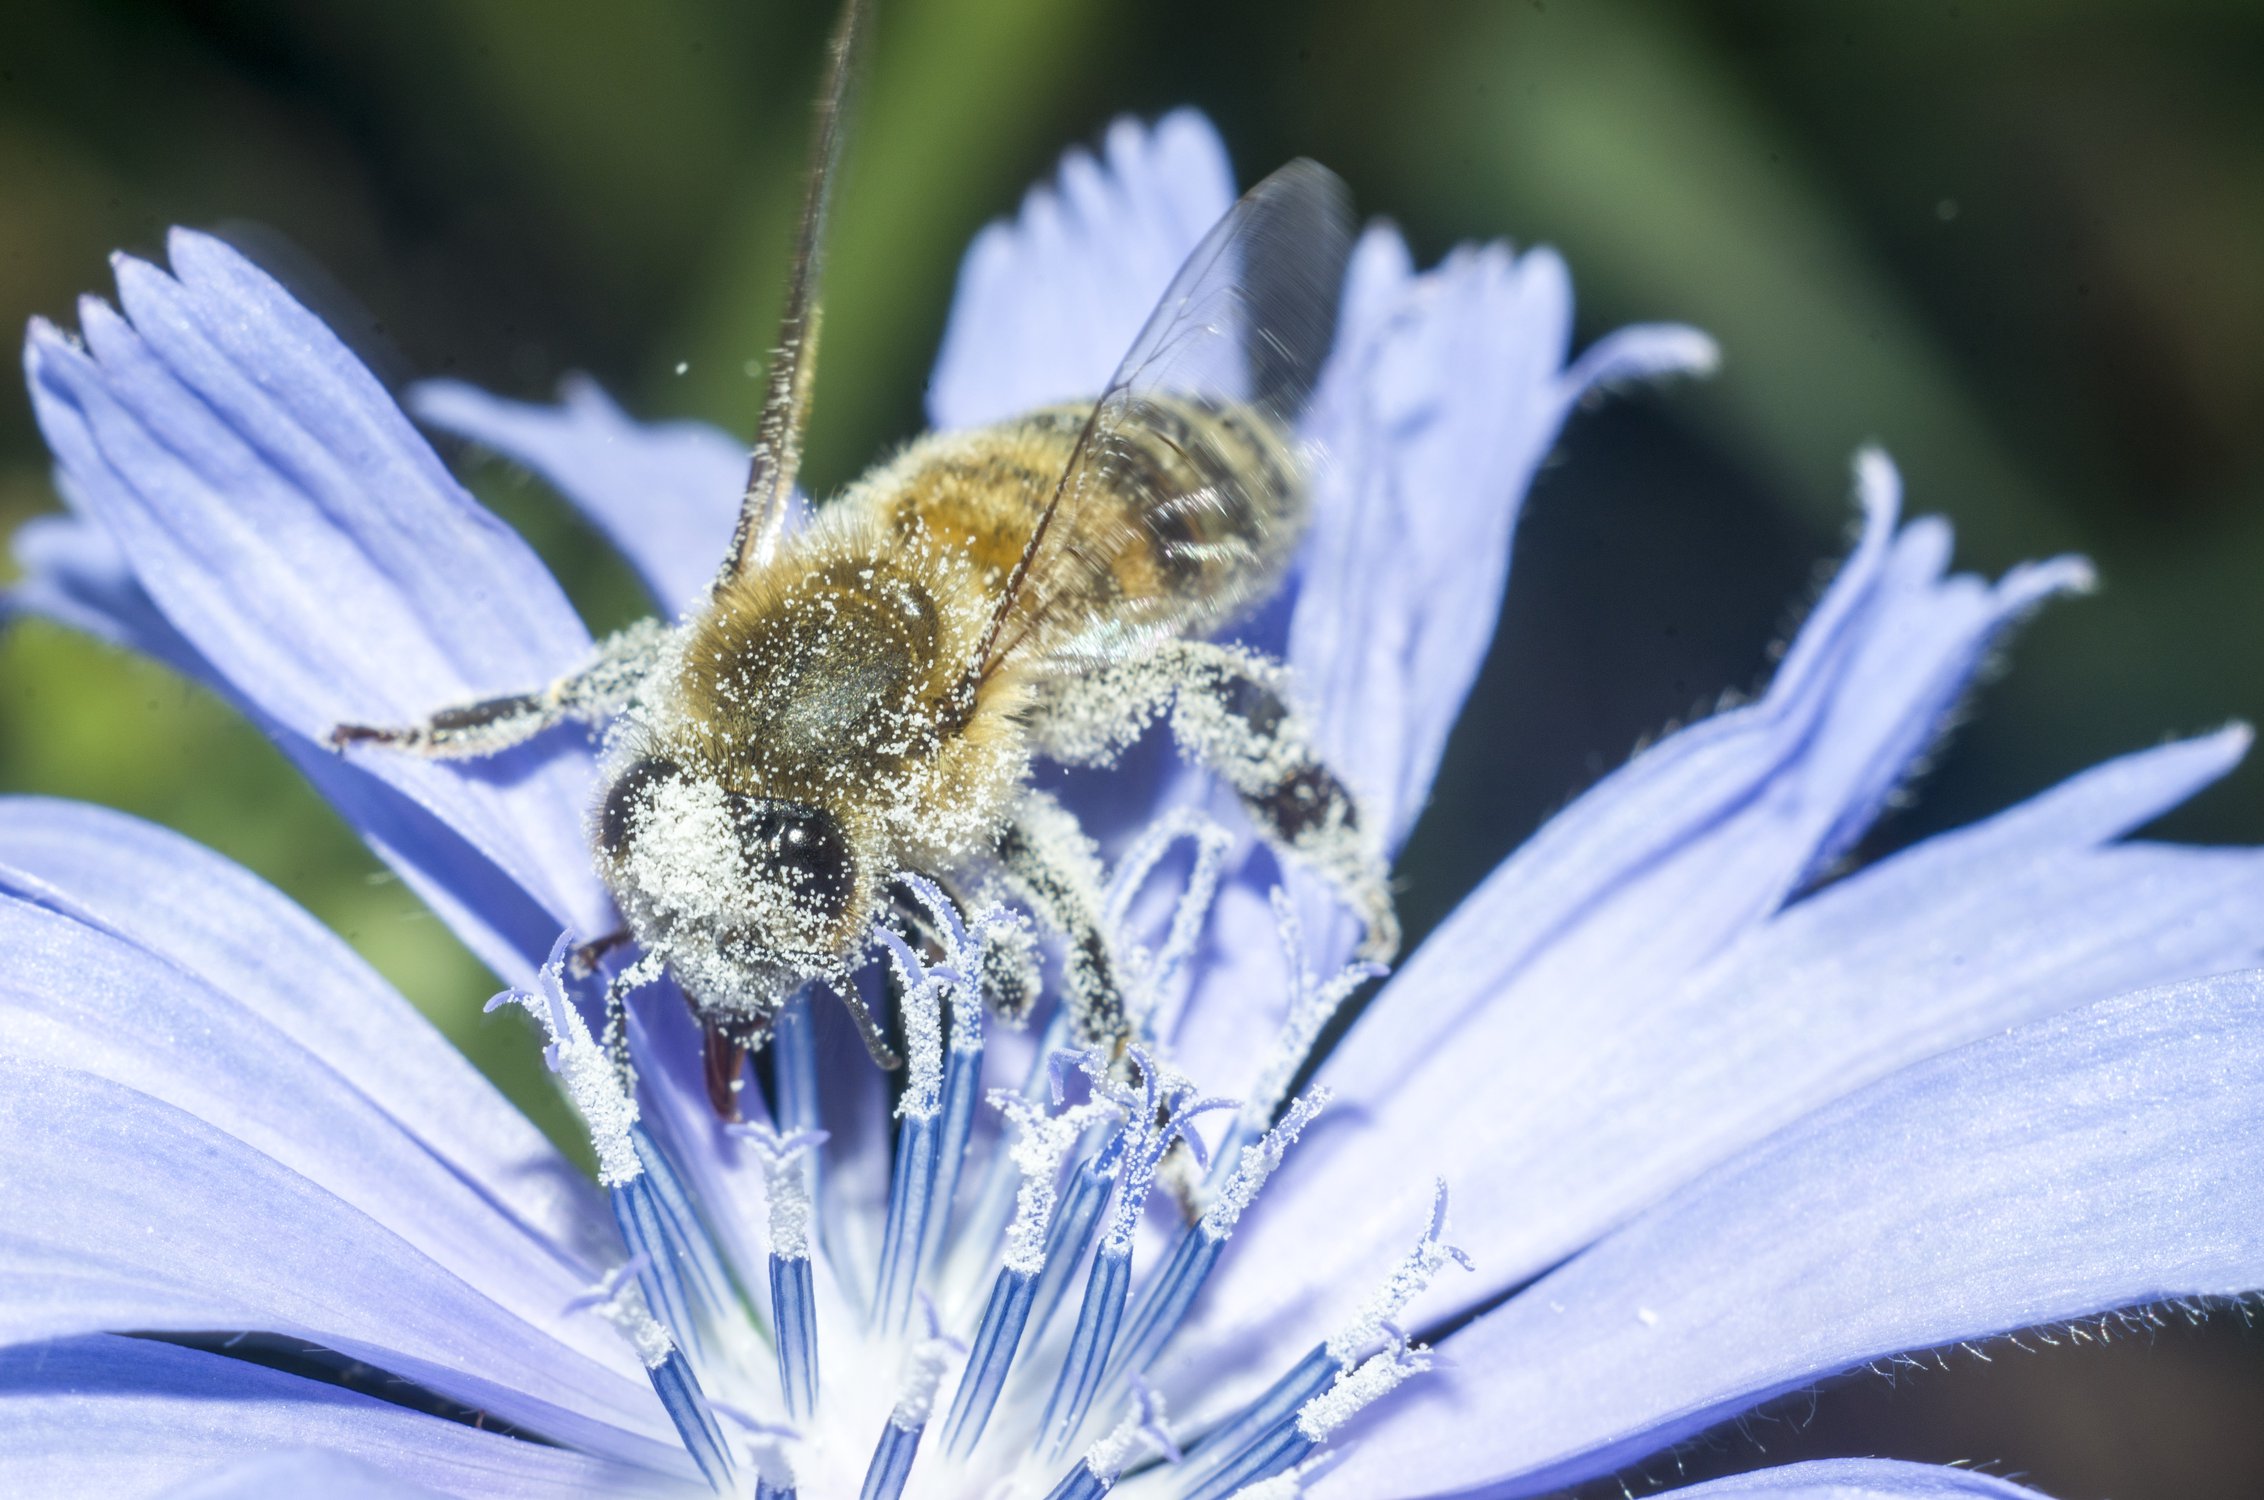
<point x="1184" y="513"/>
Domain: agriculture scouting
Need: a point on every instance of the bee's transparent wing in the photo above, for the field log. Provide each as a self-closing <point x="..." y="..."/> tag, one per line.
<point x="1243" y="330"/>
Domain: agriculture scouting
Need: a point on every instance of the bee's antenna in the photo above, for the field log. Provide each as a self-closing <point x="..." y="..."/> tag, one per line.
<point x="786" y="392"/>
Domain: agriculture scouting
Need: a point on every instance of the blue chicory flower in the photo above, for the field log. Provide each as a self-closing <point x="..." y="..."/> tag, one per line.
<point x="1716" y="1126"/>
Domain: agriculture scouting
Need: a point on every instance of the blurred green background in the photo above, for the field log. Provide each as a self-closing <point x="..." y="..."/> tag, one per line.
<point x="2020" y="243"/>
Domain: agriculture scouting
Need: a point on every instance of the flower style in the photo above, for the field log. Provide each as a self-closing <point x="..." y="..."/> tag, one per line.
<point x="1711" y="1125"/>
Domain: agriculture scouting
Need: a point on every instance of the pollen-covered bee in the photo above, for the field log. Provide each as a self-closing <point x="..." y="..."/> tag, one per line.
<point x="865" y="696"/>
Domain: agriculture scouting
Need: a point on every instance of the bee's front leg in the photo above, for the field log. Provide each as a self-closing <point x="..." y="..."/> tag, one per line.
<point x="468" y="731"/>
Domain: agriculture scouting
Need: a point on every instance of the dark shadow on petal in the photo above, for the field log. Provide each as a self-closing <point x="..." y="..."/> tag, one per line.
<point x="313" y="1362"/>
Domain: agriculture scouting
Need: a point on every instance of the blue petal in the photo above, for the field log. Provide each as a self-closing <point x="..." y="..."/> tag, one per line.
<point x="138" y="1097"/>
<point x="1598" y="1102"/>
<point x="301" y="1471"/>
<point x="127" y="1212"/>
<point x="119" y="1416"/>
<point x="289" y="523"/>
<point x="262" y="955"/>
<point x="1048" y="305"/>
<point x="1860" y="1479"/>
<point x="666" y="494"/>
<point x="1670" y="858"/>
<point x="77" y="577"/>
<point x="1446" y="390"/>
<point x="2101" y="1159"/>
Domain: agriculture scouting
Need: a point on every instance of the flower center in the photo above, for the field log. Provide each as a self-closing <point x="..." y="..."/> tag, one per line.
<point x="856" y="1380"/>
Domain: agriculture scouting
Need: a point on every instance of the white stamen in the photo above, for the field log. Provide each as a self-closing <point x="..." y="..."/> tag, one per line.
<point x="1041" y="1142"/>
<point x="924" y="1368"/>
<point x="1377" y="1377"/>
<point x="1189" y="912"/>
<point x="1311" y="1006"/>
<point x="786" y="1186"/>
<point x="1289" y="1484"/>
<point x="586" y="1072"/>
<point x="1171" y="1095"/>
<point x="1408" y="1280"/>
<point x="772" y="1467"/>
<point x="1146" y="1425"/>
<point x="621" y="1301"/>
<point x="1257" y="1163"/>
<point x="922" y="1012"/>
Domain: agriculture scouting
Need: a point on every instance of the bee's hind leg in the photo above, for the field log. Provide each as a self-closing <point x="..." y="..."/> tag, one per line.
<point x="469" y="730"/>
<point x="1229" y="712"/>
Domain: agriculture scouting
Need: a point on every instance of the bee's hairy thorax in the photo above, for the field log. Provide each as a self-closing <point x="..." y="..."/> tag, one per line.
<point x="836" y="678"/>
<point x="837" y="674"/>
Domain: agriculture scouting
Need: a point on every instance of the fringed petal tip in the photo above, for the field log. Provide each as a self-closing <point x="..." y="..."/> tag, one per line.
<point x="1644" y="351"/>
<point x="1050" y="301"/>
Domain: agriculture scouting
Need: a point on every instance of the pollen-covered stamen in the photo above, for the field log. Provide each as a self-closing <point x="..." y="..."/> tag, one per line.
<point x="794" y="1072"/>
<point x="962" y="1087"/>
<point x="1331" y="1360"/>
<point x="1145" y="1428"/>
<point x="1156" y="1117"/>
<point x="1290" y="1443"/>
<point x="1290" y="1483"/>
<point x="1165" y="1300"/>
<point x="793" y="1291"/>
<point x="935" y="1111"/>
<point x="1077" y="1217"/>
<point x="766" y="1445"/>
<point x="585" y="1072"/>
<point x="912" y="1184"/>
<point x="620" y="1300"/>
<point x="691" y="1286"/>
<point x="1407" y="1281"/>
<point x="1159" y="972"/>
<point x="595" y="1085"/>
<point x="925" y="1365"/>
<point x="1041" y="1143"/>
<point x="1312" y="1005"/>
<point x="979" y="1225"/>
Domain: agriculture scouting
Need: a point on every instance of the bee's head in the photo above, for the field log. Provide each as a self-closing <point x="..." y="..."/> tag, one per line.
<point x="765" y="888"/>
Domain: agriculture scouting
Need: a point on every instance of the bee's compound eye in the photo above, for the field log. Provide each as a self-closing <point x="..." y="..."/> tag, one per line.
<point x="801" y="848"/>
<point x="629" y="799"/>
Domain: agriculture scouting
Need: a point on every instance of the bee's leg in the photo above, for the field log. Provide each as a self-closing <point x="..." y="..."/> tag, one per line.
<point x="869" y="1029"/>
<point x="1045" y="860"/>
<point x="1228" y="711"/>
<point x="582" y="961"/>
<point x="1009" y="975"/>
<point x="469" y="730"/>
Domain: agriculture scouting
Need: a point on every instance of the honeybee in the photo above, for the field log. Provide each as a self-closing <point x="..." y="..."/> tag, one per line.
<point x="865" y="697"/>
